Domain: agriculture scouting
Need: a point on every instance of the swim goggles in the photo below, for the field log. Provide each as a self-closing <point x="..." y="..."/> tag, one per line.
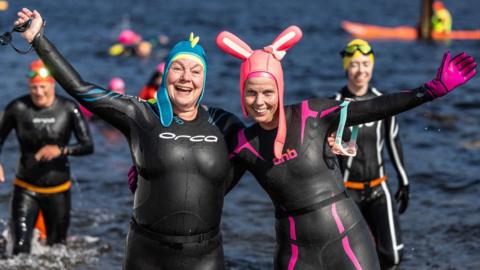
<point x="340" y="147"/>
<point x="7" y="37"/>
<point x="42" y="72"/>
<point x="350" y="50"/>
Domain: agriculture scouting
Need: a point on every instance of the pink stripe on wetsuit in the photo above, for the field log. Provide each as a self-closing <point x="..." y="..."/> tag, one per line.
<point x="243" y="143"/>
<point x="328" y="111"/>
<point x="306" y="113"/>
<point x="293" y="236"/>
<point x="345" y="243"/>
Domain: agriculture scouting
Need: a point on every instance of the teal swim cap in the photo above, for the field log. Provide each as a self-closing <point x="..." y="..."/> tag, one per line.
<point x="184" y="49"/>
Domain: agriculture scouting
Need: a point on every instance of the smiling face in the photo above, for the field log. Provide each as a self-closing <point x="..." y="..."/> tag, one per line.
<point x="184" y="84"/>
<point x="42" y="94"/>
<point x="261" y="101"/>
<point x="359" y="74"/>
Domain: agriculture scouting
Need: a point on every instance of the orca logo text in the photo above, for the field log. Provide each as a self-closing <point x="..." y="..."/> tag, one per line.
<point x="196" y="138"/>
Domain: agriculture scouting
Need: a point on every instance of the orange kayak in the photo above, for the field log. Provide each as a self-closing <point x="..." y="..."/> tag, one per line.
<point x="367" y="31"/>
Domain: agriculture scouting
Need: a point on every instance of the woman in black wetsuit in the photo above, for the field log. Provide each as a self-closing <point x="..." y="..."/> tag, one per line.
<point x="178" y="148"/>
<point x="43" y="124"/>
<point x="318" y="225"/>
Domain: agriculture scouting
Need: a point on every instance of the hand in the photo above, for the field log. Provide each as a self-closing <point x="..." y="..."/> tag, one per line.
<point x="24" y="15"/>
<point x="331" y="139"/>
<point x="132" y="178"/>
<point x="402" y="196"/>
<point x="48" y="152"/>
<point x="451" y="73"/>
<point x="2" y="175"/>
<point x="340" y="150"/>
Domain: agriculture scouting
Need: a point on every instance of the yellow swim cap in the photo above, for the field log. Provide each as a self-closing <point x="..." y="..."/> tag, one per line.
<point x="116" y="49"/>
<point x="356" y="48"/>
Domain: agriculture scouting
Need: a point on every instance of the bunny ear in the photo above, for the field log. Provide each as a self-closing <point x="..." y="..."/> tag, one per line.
<point x="234" y="46"/>
<point x="287" y="38"/>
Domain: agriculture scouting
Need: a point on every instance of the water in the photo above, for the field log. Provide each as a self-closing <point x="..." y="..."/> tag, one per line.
<point x="441" y="140"/>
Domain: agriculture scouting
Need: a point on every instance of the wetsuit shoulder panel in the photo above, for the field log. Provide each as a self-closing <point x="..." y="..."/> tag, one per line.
<point x="227" y="122"/>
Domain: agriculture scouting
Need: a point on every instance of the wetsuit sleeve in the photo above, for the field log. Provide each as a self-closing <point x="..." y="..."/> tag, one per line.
<point x="84" y="145"/>
<point x="237" y="171"/>
<point x="230" y="125"/>
<point x="384" y="106"/>
<point x="395" y="149"/>
<point x="112" y="107"/>
<point x="227" y="122"/>
<point x="7" y="122"/>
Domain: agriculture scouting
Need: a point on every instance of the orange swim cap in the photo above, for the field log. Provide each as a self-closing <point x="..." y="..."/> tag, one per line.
<point x="39" y="73"/>
<point x="438" y="5"/>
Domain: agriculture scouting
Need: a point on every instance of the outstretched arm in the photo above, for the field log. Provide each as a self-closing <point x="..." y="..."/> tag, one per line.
<point x="384" y="106"/>
<point x="451" y="74"/>
<point x="110" y="106"/>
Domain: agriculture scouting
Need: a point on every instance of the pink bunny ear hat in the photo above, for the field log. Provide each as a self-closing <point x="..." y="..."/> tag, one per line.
<point x="263" y="63"/>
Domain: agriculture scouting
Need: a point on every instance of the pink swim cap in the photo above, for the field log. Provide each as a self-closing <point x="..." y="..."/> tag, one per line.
<point x="161" y="67"/>
<point x="117" y="84"/>
<point x="128" y="37"/>
<point x="265" y="63"/>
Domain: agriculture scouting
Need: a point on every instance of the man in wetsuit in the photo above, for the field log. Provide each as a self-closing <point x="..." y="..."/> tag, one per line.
<point x="43" y="124"/>
<point x="364" y="175"/>
<point x="178" y="148"/>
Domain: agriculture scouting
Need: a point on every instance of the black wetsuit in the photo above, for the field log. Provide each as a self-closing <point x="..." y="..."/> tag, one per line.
<point x="318" y="227"/>
<point x="183" y="173"/>
<point x="376" y="203"/>
<point x="36" y="128"/>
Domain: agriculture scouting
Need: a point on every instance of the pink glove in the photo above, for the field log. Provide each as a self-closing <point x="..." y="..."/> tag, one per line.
<point x="132" y="178"/>
<point x="451" y="73"/>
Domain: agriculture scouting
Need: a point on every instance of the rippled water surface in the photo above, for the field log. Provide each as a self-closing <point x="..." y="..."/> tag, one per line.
<point x="441" y="140"/>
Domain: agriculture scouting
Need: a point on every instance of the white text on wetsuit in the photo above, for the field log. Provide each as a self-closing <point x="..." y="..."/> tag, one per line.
<point x="50" y="120"/>
<point x="196" y="138"/>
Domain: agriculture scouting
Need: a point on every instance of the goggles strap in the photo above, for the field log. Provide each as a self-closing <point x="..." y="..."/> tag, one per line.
<point x="7" y="37"/>
<point x="341" y="126"/>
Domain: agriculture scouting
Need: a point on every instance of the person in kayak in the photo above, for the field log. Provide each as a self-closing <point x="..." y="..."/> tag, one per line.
<point x="318" y="225"/>
<point x="364" y="174"/>
<point x="43" y="123"/>
<point x="178" y="148"/>
<point x="441" y="19"/>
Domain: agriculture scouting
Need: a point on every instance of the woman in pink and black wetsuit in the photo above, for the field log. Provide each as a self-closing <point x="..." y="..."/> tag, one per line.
<point x="318" y="226"/>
